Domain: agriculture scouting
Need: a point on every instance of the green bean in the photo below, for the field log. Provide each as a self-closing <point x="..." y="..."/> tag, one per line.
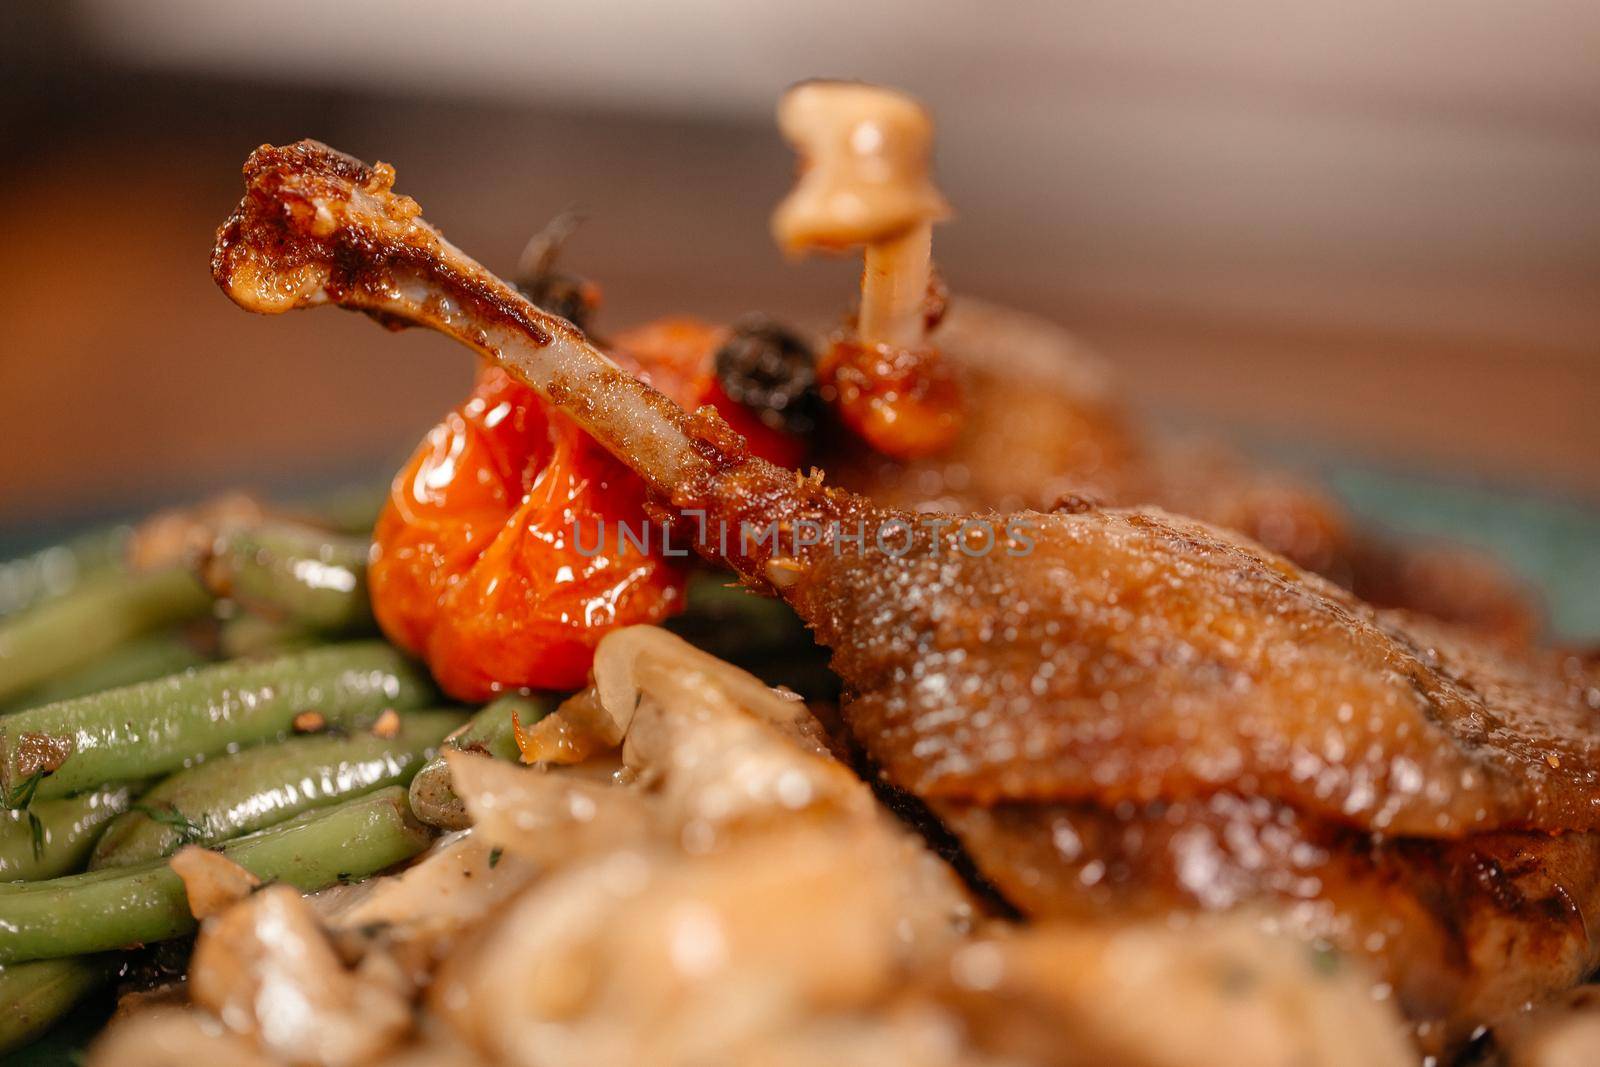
<point x="149" y="729"/>
<point x="252" y="635"/>
<point x="294" y="574"/>
<point x="491" y="731"/>
<point x="56" y="570"/>
<point x="115" y="908"/>
<point x="55" y="837"/>
<point x="81" y="626"/>
<point x="139" y="660"/>
<point x="33" y="996"/>
<point x="82" y="878"/>
<point x="236" y="794"/>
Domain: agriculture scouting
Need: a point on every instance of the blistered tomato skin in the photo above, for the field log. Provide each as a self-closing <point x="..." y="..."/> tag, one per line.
<point x="475" y="567"/>
<point x="488" y="558"/>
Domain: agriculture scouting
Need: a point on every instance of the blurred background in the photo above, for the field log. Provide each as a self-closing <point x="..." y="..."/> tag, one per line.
<point x="1360" y="235"/>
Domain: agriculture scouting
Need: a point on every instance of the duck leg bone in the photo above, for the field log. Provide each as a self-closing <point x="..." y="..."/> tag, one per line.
<point x="320" y="227"/>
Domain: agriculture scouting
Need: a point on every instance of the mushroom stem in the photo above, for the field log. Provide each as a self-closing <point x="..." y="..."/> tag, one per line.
<point x="894" y="284"/>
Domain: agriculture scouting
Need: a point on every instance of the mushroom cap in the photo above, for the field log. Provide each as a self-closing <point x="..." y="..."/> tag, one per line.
<point x="864" y="178"/>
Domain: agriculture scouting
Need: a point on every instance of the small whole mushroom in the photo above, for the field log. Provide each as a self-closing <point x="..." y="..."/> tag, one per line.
<point x="864" y="181"/>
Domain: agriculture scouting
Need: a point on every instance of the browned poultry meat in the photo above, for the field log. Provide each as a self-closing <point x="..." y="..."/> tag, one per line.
<point x="1044" y="419"/>
<point x="1110" y="677"/>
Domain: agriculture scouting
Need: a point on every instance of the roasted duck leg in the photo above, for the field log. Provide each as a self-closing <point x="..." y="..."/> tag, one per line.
<point x="1124" y="662"/>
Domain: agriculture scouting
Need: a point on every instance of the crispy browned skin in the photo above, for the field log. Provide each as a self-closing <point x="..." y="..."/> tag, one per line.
<point x="1097" y="659"/>
<point x="1133" y="655"/>
<point x="1044" y="420"/>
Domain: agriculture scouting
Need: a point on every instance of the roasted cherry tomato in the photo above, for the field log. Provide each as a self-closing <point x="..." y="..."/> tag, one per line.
<point x="489" y="562"/>
<point x="476" y="568"/>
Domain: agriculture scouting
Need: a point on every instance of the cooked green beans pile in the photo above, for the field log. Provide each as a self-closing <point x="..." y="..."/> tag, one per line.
<point x="34" y="995"/>
<point x="75" y="629"/>
<point x="124" y="737"/>
<point x="56" y="570"/>
<point x="55" y="837"/>
<point x="240" y="701"/>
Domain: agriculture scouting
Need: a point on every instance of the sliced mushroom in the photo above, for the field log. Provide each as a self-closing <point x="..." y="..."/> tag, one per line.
<point x="212" y="882"/>
<point x="653" y="956"/>
<point x="172" y="1037"/>
<point x="267" y="970"/>
<point x="545" y="817"/>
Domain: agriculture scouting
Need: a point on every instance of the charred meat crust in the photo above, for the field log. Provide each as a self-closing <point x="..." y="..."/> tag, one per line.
<point x="1044" y="420"/>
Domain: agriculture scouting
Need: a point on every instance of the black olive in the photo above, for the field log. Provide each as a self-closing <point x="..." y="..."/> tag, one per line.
<point x="771" y="371"/>
<point x="561" y="294"/>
